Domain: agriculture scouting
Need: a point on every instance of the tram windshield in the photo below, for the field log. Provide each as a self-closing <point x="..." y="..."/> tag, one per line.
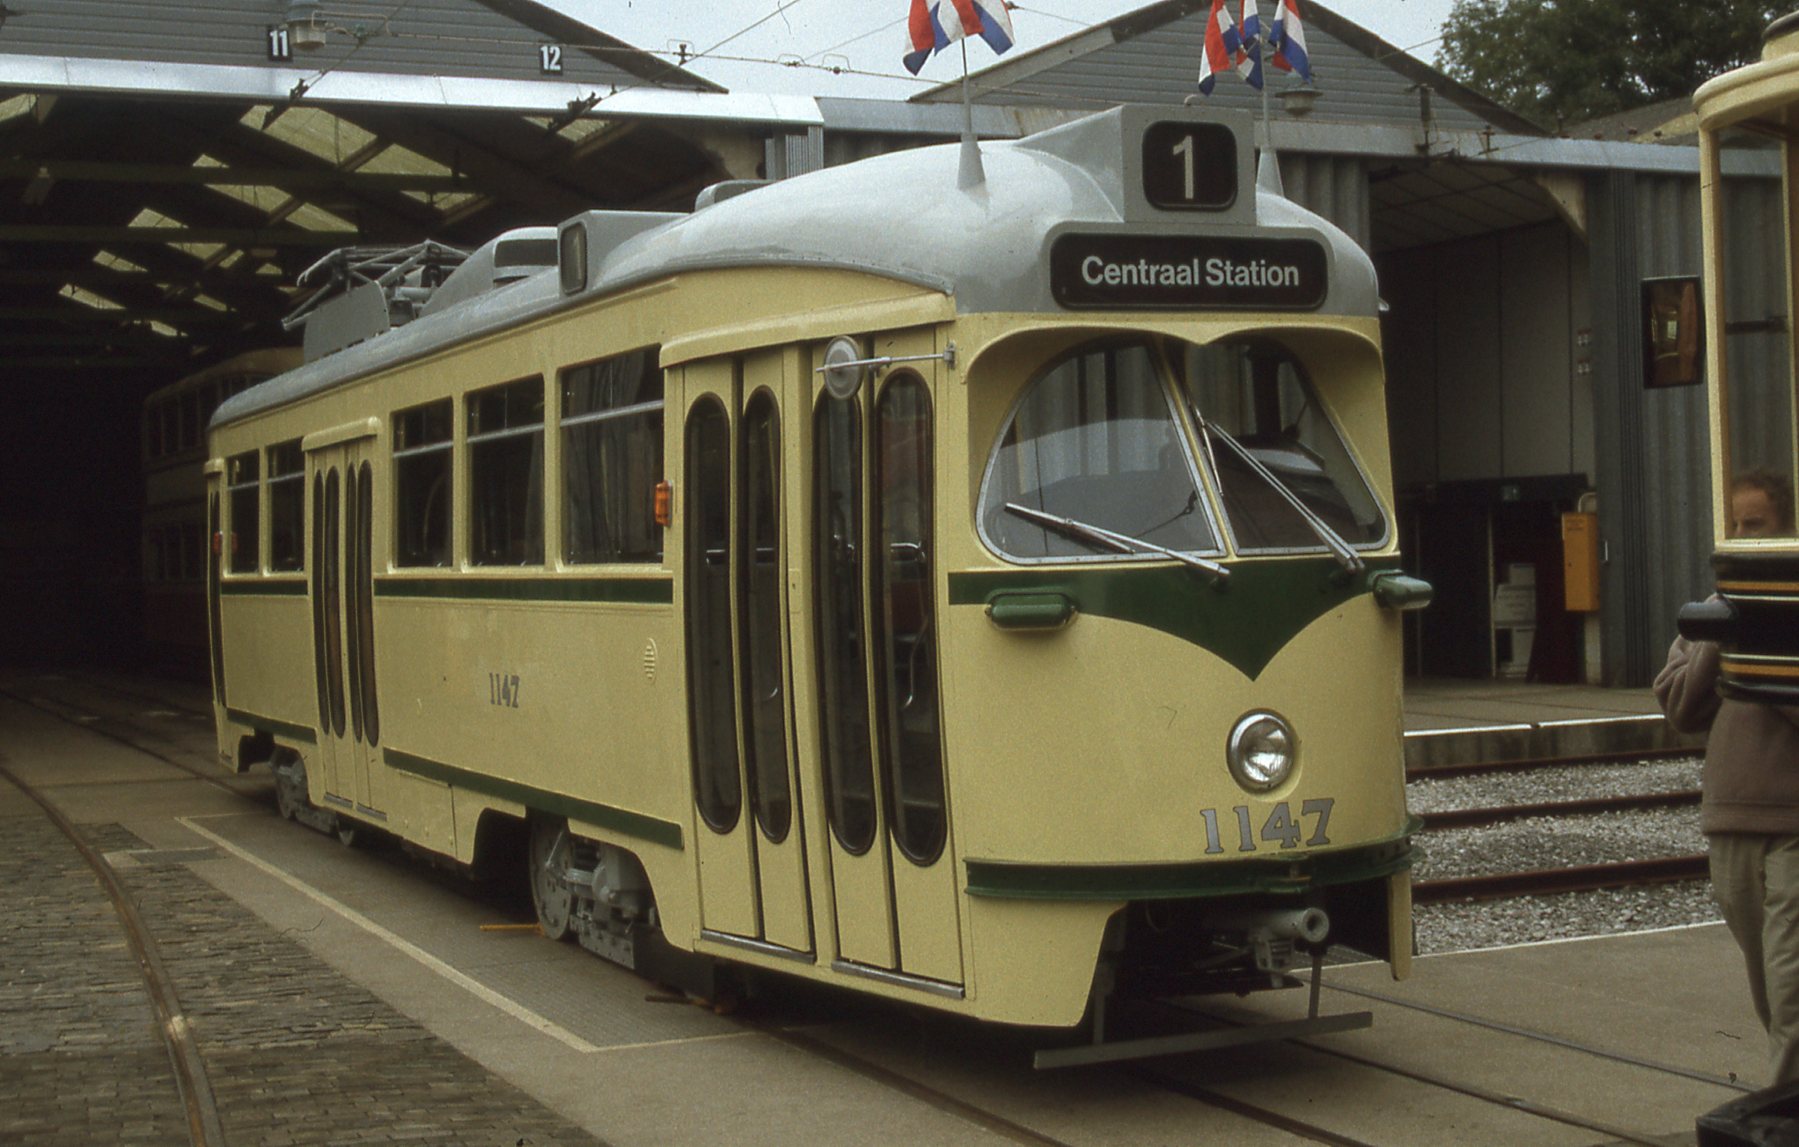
<point x="1108" y="455"/>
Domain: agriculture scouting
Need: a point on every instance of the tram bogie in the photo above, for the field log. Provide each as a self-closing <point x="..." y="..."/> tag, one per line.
<point x="982" y="597"/>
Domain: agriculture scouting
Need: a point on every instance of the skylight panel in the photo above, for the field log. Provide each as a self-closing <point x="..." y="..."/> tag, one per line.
<point x="87" y="298"/>
<point x="312" y="130"/>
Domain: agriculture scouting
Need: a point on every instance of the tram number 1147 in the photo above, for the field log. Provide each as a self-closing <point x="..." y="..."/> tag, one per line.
<point x="1280" y="827"/>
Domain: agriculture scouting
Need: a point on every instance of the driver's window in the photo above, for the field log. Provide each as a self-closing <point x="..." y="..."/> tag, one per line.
<point x="1094" y="440"/>
<point x="1257" y="394"/>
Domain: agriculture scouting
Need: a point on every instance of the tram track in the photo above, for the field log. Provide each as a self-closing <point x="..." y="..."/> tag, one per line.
<point x="1542" y="804"/>
<point x="1162" y="1075"/>
<point x="122" y="730"/>
<point x="1530" y="764"/>
<point x="1167" y="1075"/>
<point x="188" y="1066"/>
<point x="1499" y="814"/>
<point x="1553" y="881"/>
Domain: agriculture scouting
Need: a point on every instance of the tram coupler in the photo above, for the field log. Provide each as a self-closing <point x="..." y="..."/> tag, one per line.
<point x="1103" y="1050"/>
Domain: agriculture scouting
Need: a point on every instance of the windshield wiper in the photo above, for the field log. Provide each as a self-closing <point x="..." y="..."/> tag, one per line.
<point x="1120" y="543"/>
<point x="1333" y="541"/>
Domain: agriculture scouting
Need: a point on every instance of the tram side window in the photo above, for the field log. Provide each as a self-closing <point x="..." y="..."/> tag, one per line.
<point x="191" y="542"/>
<point x="505" y="442"/>
<point x="423" y="451"/>
<point x="191" y="426"/>
<point x="167" y="416"/>
<point x="1094" y="440"/>
<point x="241" y="481"/>
<point x="1258" y="395"/>
<point x="1753" y="287"/>
<point x="287" y="506"/>
<point x="153" y="432"/>
<point x="612" y="459"/>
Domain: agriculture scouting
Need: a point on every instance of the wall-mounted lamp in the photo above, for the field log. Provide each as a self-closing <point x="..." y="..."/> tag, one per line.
<point x="305" y="27"/>
<point x="1299" y="101"/>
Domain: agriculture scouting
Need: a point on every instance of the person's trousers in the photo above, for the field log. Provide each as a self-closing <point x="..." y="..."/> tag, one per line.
<point x="1756" y="881"/>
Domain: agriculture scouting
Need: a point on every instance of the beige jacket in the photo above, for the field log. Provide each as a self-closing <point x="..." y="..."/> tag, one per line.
<point x="1751" y="776"/>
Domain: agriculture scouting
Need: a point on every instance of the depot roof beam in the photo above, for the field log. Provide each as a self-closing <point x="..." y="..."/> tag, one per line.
<point x="285" y="178"/>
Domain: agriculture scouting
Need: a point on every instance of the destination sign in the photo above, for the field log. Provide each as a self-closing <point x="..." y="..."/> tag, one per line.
<point x="1187" y="272"/>
<point x="1189" y="166"/>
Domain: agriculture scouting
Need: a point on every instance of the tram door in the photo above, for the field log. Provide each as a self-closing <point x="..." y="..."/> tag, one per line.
<point x="340" y="516"/>
<point x="874" y="636"/>
<point x="737" y="503"/>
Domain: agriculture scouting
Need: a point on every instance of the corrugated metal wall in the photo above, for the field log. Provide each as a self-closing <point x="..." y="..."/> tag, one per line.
<point x="1481" y="358"/>
<point x="1675" y="440"/>
<point x="1334" y="186"/>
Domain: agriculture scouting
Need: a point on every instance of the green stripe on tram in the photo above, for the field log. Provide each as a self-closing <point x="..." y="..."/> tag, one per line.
<point x="263" y="587"/>
<point x="622" y="591"/>
<point x="1245" y="620"/>
<point x="1009" y="880"/>
<point x="634" y="824"/>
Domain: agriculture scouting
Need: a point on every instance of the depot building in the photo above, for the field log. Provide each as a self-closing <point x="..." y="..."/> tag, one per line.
<point x="161" y="192"/>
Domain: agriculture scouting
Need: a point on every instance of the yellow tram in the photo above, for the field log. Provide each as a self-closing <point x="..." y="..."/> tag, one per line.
<point x="174" y="519"/>
<point x="1750" y="117"/>
<point x="973" y="590"/>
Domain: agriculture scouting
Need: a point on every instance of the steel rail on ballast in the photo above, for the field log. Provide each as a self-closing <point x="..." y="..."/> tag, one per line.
<point x="1584" y="806"/>
<point x="1549" y="881"/>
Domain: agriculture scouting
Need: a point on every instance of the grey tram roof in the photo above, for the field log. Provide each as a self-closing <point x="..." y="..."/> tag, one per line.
<point x="899" y="215"/>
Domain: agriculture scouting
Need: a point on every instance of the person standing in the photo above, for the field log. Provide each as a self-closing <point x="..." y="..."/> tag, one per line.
<point x="1750" y="811"/>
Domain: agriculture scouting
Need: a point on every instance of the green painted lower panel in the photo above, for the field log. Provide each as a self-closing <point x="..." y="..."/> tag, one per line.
<point x="1012" y="880"/>
<point x="625" y="591"/>
<point x="269" y="725"/>
<point x="263" y="587"/>
<point x="664" y="832"/>
<point x="1245" y="620"/>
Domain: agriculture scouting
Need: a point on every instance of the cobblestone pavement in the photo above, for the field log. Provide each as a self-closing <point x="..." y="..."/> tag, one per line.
<point x="295" y="1052"/>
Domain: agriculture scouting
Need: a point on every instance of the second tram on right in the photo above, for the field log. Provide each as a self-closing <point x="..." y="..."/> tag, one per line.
<point x="1746" y="117"/>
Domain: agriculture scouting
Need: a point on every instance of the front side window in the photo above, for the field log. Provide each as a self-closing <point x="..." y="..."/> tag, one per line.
<point x="612" y="459"/>
<point x="241" y="474"/>
<point x="287" y="507"/>
<point x="1269" y="444"/>
<point x="422" y="467"/>
<point x="505" y="445"/>
<point x="1095" y="446"/>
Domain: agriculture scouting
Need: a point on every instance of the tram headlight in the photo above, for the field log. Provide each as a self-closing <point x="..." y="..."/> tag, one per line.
<point x="1262" y="751"/>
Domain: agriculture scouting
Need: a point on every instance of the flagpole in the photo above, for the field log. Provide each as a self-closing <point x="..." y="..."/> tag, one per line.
<point x="969" y="172"/>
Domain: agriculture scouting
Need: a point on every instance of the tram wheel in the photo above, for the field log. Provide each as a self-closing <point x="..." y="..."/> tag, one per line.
<point x="290" y="788"/>
<point x="548" y="860"/>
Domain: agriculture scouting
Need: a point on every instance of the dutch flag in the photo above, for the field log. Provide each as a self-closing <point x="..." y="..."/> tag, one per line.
<point x="1249" y="46"/>
<point x="933" y="27"/>
<point x="1221" y="45"/>
<point x="1287" y="36"/>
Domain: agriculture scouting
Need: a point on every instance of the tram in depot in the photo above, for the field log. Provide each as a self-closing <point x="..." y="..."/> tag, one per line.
<point x="980" y="591"/>
<point x="174" y="518"/>
<point x="1749" y="118"/>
